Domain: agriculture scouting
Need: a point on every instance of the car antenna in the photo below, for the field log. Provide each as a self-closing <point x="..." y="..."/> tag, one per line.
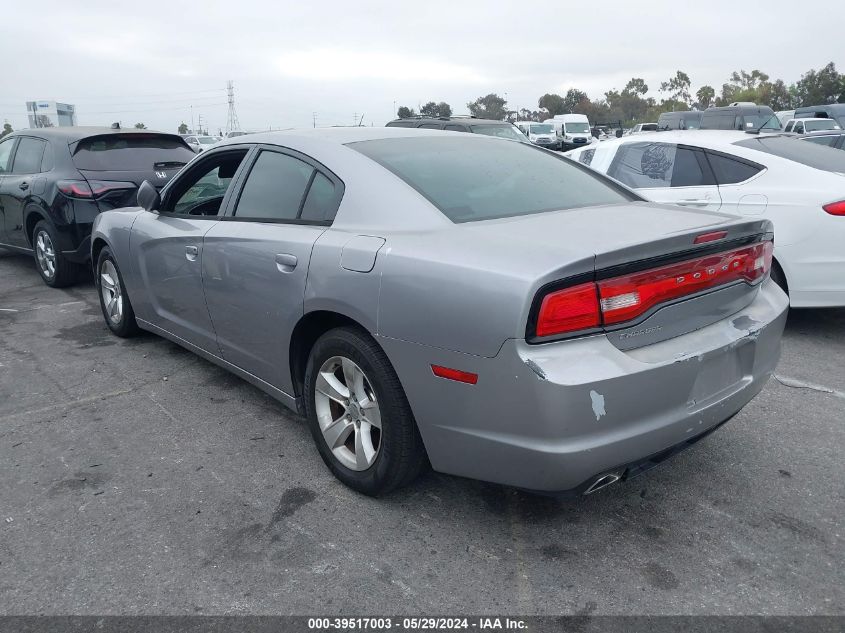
<point x="757" y="130"/>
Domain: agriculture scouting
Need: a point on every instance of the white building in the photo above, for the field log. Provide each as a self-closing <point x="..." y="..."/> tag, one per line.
<point x="50" y="114"/>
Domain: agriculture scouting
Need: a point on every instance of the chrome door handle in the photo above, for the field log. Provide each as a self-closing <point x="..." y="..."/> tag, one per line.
<point x="191" y="253"/>
<point x="693" y="202"/>
<point x="286" y="262"/>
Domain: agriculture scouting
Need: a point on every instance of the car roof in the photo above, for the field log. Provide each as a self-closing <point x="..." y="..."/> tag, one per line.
<point x="710" y="139"/>
<point x="333" y="136"/>
<point x="451" y="119"/>
<point x="834" y="107"/>
<point x="79" y="132"/>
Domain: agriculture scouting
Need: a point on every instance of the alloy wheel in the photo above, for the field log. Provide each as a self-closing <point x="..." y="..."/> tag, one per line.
<point x="45" y="254"/>
<point x="348" y="413"/>
<point x="110" y="291"/>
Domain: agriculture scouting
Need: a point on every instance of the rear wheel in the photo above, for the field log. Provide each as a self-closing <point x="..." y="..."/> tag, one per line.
<point x="54" y="268"/>
<point x="114" y="302"/>
<point x="358" y="414"/>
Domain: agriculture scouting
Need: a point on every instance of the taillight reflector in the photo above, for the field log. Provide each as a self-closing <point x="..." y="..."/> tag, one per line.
<point x="625" y="298"/>
<point x="835" y="208"/>
<point x="454" y="374"/>
<point x="75" y="188"/>
<point x="569" y="310"/>
<point x="710" y="237"/>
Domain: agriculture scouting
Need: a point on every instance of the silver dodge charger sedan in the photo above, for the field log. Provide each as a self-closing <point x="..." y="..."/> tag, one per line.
<point x="490" y="307"/>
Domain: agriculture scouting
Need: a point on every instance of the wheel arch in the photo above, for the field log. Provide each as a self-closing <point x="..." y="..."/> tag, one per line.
<point x="308" y="329"/>
<point x="32" y="215"/>
<point x="97" y="245"/>
<point x="778" y="274"/>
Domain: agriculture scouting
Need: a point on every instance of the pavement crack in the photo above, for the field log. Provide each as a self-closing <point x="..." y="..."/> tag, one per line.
<point x="800" y="384"/>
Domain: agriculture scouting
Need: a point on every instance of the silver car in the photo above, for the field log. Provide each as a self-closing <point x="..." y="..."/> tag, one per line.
<point x="493" y="308"/>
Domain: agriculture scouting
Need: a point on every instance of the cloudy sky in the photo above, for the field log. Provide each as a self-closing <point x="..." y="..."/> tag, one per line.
<point x="161" y="62"/>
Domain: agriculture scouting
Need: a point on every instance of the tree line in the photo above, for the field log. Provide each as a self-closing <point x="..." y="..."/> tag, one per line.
<point x="631" y="105"/>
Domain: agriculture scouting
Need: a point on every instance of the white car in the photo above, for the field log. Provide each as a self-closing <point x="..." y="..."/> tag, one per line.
<point x="642" y="128"/>
<point x="799" y="186"/>
<point x="802" y="126"/>
<point x="200" y="143"/>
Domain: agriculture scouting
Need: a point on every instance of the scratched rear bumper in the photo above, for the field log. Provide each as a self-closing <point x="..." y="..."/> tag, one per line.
<point x="550" y="417"/>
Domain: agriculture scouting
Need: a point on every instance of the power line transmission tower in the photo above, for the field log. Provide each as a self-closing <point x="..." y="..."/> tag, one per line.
<point x="232" y="120"/>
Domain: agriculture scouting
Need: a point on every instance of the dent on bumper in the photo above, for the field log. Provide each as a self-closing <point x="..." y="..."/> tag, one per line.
<point x="550" y="417"/>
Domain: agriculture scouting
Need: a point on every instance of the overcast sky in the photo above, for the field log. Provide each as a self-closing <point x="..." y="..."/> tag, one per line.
<point x="150" y="62"/>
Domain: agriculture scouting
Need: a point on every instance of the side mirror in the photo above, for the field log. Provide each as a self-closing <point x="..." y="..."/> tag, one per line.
<point x="148" y="196"/>
<point x="619" y="133"/>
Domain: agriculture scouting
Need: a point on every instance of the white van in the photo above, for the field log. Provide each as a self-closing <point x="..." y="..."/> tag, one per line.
<point x="573" y="130"/>
<point x="542" y="134"/>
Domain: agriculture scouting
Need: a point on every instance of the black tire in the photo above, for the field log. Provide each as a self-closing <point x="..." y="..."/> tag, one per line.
<point x="125" y="324"/>
<point x="779" y="278"/>
<point x="64" y="272"/>
<point x="401" y="454"/>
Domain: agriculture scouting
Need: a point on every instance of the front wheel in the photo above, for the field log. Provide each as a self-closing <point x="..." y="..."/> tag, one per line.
<point x="114" y="302"/>
<point x="358" y="414"/>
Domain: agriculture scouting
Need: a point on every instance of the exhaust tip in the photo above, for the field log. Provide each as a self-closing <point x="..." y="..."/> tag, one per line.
<point x="602" y="481"/>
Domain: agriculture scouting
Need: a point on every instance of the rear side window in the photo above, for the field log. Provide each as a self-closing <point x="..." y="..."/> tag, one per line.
<point x="729" y="171"/>
<point x="275" y="188"/>
<point x="28" y="156"/>
<point x="455" y="128"/>
<point x="130" y="152"/>
<point x="321" y="201"/>
<point x="791" y="148"/>
<point x="431" y="126"/>
<point x="469" y="178"/>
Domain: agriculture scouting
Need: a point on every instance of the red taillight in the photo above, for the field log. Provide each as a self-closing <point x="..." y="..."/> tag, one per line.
<point x="569" y="310"/>
<point x="835" y="208"/>
<point x="454" y="374"/>
<point x="75" y="188"/>
<point x="619" y="299"/>
<point x="91" y="189"/>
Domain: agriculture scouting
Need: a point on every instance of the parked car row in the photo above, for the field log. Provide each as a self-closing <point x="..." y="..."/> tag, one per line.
<point x="799" y="186"/>
<point x="405" y="338"/>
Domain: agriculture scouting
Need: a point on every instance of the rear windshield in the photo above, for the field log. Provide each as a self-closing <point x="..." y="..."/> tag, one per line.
<point x="502" y="131"/>
<point x="136" y="152"/>
<point x="648" y="127"/>
<point x="470" y="179"/>
<point x="791" y="148"/>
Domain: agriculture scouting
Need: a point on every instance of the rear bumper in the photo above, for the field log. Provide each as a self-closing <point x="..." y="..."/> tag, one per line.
<point x="82" y="253"/>
<point x="551" y="417"/>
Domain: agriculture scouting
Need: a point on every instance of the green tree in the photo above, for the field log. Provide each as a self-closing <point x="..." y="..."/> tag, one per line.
<point x="7" y="129"/>
<point x="404" y="112"/>
<point x="678" y="88"/>
<point x="183" y="128"/>
<point x="636" y="86"/>
<point x="552" y="103"/>
<point x="436" y="109"/>
<point x="140" y="126"/>
<point x="705" y="96"/>
<point x="821" y="87"/>
<point x="490" y="106"/>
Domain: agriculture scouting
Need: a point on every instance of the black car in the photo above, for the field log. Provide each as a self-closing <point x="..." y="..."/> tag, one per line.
<point x="686" y="120"/>
<point x="740" y="116"/>
<point x="831" y="138"/>
<point x="488" y="127"/>
<point x="53" y="181"/>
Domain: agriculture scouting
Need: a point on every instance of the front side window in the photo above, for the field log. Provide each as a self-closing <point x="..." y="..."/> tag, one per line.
<point x="275" y="188"/>
<point x="472" y="179"/>
<point x="5" y="154"/>
<point x="28" y="156"/>
<point x="644" y="165"/>
<point x="201" y="191"/>
<point x="799" y="128"/>
<point x="789" y="126"/>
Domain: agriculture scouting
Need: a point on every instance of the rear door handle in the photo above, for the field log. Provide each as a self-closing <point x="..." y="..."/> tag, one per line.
<point x="286" y="262"/>
<point x="23" y="186"/>
<point x="191" y="253"/>
<point x="692" y="202"/>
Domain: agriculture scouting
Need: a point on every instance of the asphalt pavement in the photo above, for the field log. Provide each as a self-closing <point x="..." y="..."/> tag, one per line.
<point x="137" y="478"/>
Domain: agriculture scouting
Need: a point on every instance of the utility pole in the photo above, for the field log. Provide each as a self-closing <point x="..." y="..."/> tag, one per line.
<point x="232" y="122"/>
<point x="193" y="129"/>
<point x="314" y="117"/>
<point x="354" y="119"/>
